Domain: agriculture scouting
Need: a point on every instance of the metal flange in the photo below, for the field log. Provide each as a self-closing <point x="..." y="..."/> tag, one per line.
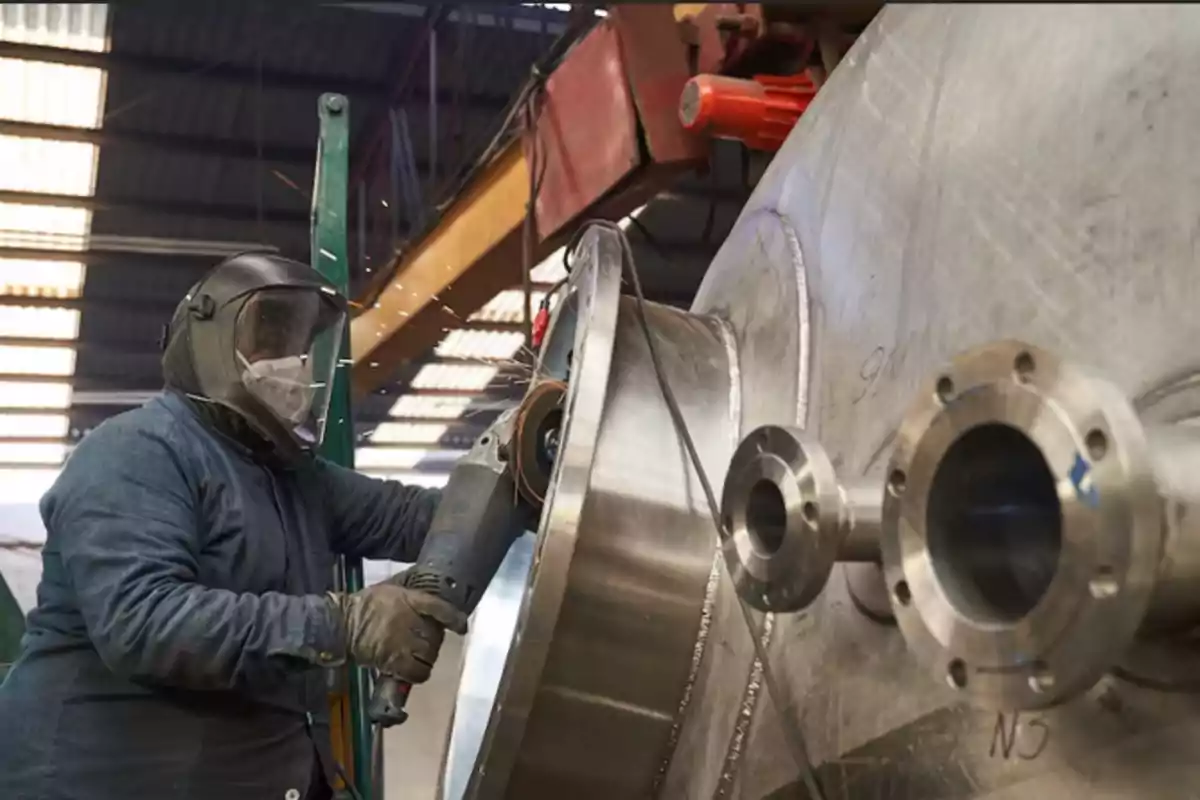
<point x="787" y="520"/>
<point x="1021" y="528"/>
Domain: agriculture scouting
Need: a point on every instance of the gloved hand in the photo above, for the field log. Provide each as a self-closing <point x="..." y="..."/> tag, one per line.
<point x="395" y="630"/>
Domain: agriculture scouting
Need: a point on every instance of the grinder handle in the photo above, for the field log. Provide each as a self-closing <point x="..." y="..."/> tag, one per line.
<point x="388" y="700"/>
<point x="474" y="525"/>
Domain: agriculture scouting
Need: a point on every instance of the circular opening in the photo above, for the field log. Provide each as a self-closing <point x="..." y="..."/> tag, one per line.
<point x="945" y="389"/>
<point x="1024" y="365"/>
<point x="766" y="517"/>
<point x="994" y="524"/>
<point x="809" y="510"/>
<point x="956" y="674"/>
<point x="1097" y="444"/>
<point x="902" y="593"/>
<point x="897" y="481"/>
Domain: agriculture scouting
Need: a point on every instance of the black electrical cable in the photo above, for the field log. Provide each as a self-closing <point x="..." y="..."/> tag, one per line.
<point x="787" y="719"/>
<point x="537" y="173"/>
<point x="349" y="784"/>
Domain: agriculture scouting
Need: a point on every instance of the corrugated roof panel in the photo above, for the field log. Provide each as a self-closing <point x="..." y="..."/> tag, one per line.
<point x="366" y="458"/>
<point x="25" y="485"/>
<point x="394" y="432"/>
<point x="551" y="270"/>
<point x="41" y="425"/>
<point x="15" y="394"/>
<point x="39" y="165"/>
<point x="507" y="306"/>
<point x="39" y="323"/>
<point x="280" y="36"/>
<point x="56" y="94"/>
<point x="415" y="406"/>
<point x="26" y="453"/>
<point x="432" y="480"/>
<point x="499" y="345"/>
<point x="398" y="458"/>
<point x="55" y="361"/>
<point x="454" y="376"/>
<point x="75" y="26"/>
<point x="38" y="279"/>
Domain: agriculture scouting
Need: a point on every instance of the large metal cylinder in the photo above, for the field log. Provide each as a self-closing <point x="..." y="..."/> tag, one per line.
<point x="973" y="174"/>
<point x="969" y="174"/>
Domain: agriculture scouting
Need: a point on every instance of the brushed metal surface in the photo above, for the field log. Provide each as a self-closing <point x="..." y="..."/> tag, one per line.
<point x="608" y="626"/>
<point x="493" y="629"/>
<point x="969" y="174"/>
<point x="1176" y="454"/>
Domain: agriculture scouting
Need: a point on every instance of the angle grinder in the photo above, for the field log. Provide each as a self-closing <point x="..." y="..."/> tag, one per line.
<point x="494" y="494"/>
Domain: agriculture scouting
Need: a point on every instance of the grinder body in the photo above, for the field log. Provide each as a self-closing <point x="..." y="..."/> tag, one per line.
<point x="478" y="518"/>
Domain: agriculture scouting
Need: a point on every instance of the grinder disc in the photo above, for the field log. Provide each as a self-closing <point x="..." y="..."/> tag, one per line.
<point x="534" y="444"/>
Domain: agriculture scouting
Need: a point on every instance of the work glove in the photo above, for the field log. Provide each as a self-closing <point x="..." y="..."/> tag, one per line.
<point x="395" y="630"/>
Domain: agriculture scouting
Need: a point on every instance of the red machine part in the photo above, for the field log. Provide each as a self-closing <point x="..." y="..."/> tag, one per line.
<point x="758" y="112"/>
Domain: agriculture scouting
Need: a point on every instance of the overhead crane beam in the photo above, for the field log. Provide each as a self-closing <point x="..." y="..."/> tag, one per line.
<point x="474" y="250"/>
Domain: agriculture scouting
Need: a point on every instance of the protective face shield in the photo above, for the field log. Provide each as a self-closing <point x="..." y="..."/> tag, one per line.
<point x="287" y="345"/>
<point x="261" y="335"/>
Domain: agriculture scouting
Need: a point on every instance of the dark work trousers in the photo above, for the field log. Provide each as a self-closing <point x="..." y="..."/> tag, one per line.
<point x="318" y="787"/>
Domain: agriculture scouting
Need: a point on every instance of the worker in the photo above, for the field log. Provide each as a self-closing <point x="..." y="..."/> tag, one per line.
<point x="184" y="618"/>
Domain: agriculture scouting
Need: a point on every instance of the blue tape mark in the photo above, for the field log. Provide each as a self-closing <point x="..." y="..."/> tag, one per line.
<point x="1081" y="479"/>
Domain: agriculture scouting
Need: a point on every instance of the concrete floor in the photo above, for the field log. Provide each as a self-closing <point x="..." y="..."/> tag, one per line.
<point x="413" y="751"/>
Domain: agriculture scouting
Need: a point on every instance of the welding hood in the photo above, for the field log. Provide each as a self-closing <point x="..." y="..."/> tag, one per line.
<point x="260" y="335"/>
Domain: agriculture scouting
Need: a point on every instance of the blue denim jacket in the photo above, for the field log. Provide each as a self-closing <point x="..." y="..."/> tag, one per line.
<point x="180" y="608"/>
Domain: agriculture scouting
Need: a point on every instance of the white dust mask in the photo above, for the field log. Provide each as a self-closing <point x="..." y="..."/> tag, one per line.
<point x="284" y="384"/>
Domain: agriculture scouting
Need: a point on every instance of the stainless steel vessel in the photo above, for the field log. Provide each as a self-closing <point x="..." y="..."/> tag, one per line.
<point x="969" y="174"/>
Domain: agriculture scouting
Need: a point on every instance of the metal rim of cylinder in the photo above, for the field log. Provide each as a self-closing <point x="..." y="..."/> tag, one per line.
<point x="586" y="312"/>
<point x="781" y="510"/>
<point x="1101" y="572"/>
<point x="624" y="551"/>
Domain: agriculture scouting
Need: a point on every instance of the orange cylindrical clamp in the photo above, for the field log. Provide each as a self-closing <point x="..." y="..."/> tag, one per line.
<point x="758" y="112"/>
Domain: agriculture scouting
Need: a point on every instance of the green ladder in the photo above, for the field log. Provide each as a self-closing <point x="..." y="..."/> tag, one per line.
<point x="329" y="257"/>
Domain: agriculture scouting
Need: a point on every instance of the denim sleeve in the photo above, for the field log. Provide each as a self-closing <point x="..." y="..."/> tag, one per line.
<point x="125" y="513"/>
<point x="370" y="518"/>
